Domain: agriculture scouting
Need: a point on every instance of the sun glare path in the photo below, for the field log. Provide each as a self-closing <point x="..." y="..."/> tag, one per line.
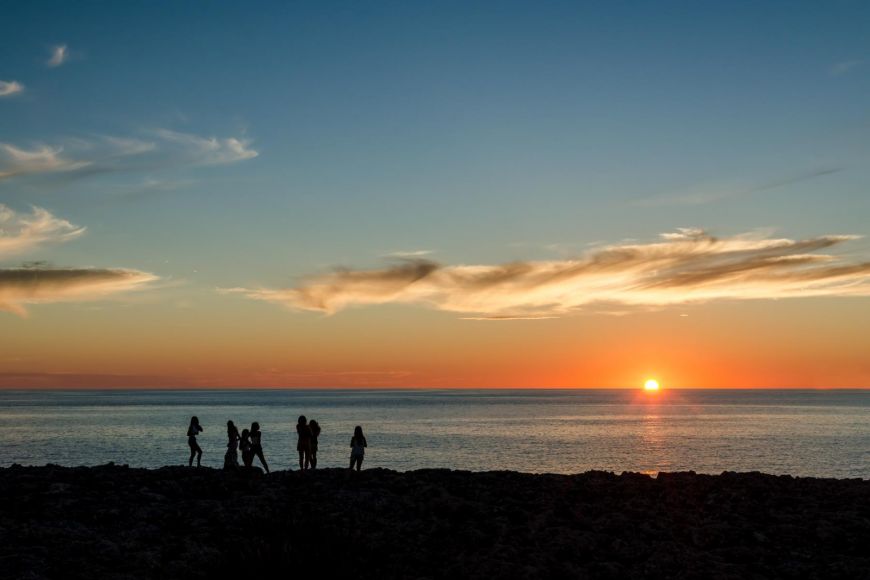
<point x="651" y="385"/>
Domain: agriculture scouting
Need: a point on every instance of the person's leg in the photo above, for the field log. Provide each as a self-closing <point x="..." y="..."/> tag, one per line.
<point x="198" y="456"/>
<point x="359" y="461"/>
<point x="192" y="455"/>
<point x="301" y="460"/>
<point x="263" y="460"/>
<point x="314" y="460"/>
<point x="352" y="461"/>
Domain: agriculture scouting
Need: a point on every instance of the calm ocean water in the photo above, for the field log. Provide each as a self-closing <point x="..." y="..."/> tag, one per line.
<point x="807" y="433"/>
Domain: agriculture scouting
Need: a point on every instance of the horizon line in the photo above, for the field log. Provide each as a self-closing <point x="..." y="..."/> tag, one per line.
<point x="421" y="388"/>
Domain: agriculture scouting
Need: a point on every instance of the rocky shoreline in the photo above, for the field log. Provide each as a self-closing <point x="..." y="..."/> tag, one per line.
<point x="177" y="522"/>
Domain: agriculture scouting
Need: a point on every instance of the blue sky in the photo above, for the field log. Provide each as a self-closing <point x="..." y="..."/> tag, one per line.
<point x="483" y="132"/>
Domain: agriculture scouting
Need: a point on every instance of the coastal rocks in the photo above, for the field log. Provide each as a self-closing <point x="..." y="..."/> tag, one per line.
<point x="176" y="522"/>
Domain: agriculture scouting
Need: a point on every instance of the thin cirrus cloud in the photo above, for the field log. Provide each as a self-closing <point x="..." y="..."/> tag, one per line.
<point x="209" y="150"/>
<point x="408" y="254"/>
<point x="21" y="233"/>
<point x="59" y="55"/>
<point x="682" y="267"/>
<point x="9" y="88"/>
<point x="39" y="283"/>
<point x="159" y="149"/>
<point x="41" y="158"/>
<point x="710" y="194"/>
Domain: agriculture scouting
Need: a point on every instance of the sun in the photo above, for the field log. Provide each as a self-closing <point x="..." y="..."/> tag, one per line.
<point x="651" y="385"/>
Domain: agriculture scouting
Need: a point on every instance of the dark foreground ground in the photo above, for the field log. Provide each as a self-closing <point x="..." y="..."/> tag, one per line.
<point x="116" y="522"/>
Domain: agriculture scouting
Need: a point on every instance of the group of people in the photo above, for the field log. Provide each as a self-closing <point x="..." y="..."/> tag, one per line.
<point x="249" y="442"/>
<point x="306" y="445"/>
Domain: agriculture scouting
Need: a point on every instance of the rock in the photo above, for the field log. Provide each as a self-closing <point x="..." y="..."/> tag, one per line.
<point x="119" y="522"/>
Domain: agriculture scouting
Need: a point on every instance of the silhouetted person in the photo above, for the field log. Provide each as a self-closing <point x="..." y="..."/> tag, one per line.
<point x="256" y="445"/>
<point x="192" y="431"/>
<point x="358" y="446"/>
<point x="303" y="444"/>
<point x="231" y="459"/>
<point x="315" y="433"/>
<point x="247" y="448"/>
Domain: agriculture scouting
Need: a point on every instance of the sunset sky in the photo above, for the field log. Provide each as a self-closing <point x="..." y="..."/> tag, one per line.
<point x="450" y="194"/>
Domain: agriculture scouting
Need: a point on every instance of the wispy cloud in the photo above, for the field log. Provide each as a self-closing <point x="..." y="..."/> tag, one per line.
<point x="59" y="55"/>
<point x="54" y="380"/>
<point x="509" y="317"/>
<point x="841" y="68"/>
<point x="159" y="149"/>
<point x="408" y="254"/>
<point x="20" y="233"/>
<point x="122" y="146"/>
<point x="209" y="150"/>
<point x="684" y="266"/>
<point x="9" y="88"/>
<point x="40" y="284"/>
<point x="710" y="194"/>
<point x="39" y="159"/>
<point x="147" y="188"/>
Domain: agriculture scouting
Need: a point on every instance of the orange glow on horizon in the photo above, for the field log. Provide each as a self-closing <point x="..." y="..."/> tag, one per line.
<point x="719" y="346"/>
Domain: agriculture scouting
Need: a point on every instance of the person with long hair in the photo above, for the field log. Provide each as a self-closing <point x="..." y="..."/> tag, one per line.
<point x="193" y="430"/>
<point x="246" y="447"/>
<point x="231" y="459"/>
<point x="303" y="444"/>
<point x="315" y="433"/>
<point x="257" y="446"/>
<point x="358" y="446"/>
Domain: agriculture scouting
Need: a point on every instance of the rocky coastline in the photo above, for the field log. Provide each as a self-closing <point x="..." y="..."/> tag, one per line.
<point x="177" y="522"/>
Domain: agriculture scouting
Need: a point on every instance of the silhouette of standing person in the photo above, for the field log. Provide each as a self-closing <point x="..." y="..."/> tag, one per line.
<point x="231" y="459"/>
<point x="256" y="444"/>
<point x="192" y="431"/>
<point x="247" y="448"/>
<point x="315" y="433"/>
<point x="358" y="446"/>
<point x="303" y="445"/>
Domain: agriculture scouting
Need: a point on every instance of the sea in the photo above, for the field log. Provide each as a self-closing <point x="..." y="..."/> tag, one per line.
<point x="817" y="433"/>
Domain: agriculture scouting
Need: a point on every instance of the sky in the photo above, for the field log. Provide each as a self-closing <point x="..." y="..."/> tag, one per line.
<point x="451" y="194"/>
